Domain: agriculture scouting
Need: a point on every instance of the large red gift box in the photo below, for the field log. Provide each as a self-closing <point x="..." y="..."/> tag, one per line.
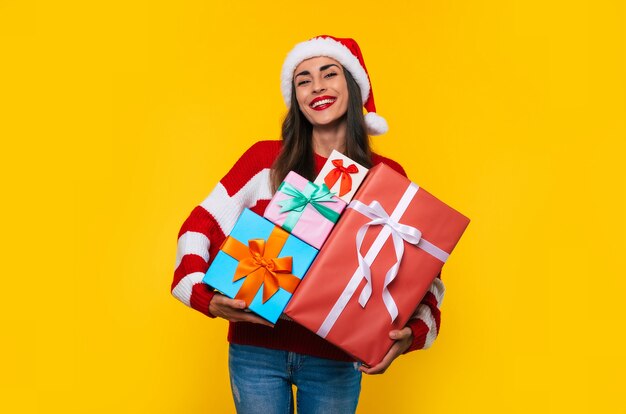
<point x="404" y="236"/>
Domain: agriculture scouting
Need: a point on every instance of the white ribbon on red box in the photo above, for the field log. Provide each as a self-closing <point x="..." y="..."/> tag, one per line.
<point x="399" y="233"/>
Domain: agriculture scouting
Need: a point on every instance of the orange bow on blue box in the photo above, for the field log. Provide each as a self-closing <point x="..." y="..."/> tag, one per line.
<point x="260" y="264"/>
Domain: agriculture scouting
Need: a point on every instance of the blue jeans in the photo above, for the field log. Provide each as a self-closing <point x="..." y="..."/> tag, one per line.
<point x="261" y="381"/>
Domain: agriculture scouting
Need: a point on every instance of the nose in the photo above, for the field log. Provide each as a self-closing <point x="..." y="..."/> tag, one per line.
<point x="318" y="86"/>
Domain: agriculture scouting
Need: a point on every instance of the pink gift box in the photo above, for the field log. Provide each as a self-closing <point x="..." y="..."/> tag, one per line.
<point x="316" y="209"/>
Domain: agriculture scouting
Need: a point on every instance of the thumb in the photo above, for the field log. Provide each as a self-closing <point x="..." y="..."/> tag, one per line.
<point x="399" y="334"/>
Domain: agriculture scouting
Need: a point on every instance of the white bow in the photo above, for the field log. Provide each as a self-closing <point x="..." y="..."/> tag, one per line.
<point x="399" y="233"/>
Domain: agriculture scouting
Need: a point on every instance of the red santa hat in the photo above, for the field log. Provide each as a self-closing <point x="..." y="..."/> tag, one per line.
<point x="345" y="51"/>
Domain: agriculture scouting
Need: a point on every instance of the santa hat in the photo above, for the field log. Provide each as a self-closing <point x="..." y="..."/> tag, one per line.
<point x="346" y="52"/>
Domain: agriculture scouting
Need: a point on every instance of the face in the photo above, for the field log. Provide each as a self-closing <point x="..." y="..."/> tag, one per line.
<point x="321" y="90"/>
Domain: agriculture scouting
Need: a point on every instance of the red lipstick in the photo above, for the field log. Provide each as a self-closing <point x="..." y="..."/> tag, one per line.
<point x="320" y="107"/>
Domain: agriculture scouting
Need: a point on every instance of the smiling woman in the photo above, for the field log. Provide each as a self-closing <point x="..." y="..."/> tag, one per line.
<point x="327" y="112"/>
<point x="326" y="87"/>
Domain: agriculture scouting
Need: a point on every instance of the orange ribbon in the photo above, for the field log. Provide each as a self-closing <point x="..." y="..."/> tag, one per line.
<point x="343" y="172"/>
<point x="259" y="264"/>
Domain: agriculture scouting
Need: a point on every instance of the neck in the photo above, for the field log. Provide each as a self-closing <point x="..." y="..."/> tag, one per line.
<point x="328" y="138"/>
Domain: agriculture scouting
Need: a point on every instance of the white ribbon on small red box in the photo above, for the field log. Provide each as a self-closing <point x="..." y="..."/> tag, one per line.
<point x="399" y="233"/>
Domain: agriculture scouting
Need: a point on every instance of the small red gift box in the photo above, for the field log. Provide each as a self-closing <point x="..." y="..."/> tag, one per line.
<point x="376" y="265"/>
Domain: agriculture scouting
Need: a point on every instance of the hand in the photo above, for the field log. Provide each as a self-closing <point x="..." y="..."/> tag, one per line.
<point x="233" y="310"/>
<point x="404" y="339"/>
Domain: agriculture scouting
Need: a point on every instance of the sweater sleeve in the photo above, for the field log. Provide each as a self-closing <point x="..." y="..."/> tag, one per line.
<point x="206" y="227"/>
<point x="426" y="319"/>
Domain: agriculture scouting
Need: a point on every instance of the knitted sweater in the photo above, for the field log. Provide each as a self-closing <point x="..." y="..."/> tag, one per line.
<point x="247" y="184"/>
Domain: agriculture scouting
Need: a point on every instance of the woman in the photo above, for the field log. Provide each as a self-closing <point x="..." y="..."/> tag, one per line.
<point x="325" y="84"/>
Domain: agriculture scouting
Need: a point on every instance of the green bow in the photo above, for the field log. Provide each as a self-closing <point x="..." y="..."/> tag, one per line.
<point x="312" y="194"/>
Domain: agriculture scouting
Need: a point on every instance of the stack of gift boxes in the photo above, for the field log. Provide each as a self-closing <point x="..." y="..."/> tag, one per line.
<point x="367" y="266"/>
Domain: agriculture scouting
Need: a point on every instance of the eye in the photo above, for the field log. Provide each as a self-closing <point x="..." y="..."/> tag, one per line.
<point x="330" y="75"/>
<point x="302" y="82"/>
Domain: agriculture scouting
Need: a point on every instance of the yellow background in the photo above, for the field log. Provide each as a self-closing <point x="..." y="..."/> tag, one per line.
<point x="117" y="118"/>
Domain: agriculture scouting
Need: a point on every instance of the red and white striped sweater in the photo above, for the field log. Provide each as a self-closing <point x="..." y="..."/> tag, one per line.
<point x="247" y="184"/>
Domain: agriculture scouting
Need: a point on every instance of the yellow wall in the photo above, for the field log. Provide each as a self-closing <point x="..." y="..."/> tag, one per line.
<point x="118" y="117"/>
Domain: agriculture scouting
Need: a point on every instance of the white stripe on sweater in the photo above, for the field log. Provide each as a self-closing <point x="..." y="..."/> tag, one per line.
<point x="424" y="313"/>
<point x="226" y="209"/>
<point x="192" y="242"/>
<point x="438" y="289"/>
<point x="182" y="291"/>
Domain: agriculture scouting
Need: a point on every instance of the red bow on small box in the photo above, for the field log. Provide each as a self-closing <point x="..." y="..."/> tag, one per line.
<point x="343" y="172"/>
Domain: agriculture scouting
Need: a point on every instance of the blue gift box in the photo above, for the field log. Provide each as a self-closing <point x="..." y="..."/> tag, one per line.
<point x="249" y="231"/>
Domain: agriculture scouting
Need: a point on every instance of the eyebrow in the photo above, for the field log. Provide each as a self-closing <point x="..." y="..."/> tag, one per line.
<point x="322" y="68"/>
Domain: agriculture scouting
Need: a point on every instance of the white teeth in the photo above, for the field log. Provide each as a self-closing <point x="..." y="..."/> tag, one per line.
<point x="322" y="102"/>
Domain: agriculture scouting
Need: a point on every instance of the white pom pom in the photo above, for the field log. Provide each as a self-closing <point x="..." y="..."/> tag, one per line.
<point x="376" y="124"/>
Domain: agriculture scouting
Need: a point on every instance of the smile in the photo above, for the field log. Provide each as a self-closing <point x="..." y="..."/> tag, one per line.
<point x="323" y="102"/>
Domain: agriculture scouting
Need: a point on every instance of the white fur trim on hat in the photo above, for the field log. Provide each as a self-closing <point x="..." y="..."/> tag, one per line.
<point x="322" y="47"/>
<point x="376" y="124"/>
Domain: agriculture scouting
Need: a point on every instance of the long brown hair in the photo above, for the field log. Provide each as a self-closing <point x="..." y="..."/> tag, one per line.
<point x="297" y="150"/>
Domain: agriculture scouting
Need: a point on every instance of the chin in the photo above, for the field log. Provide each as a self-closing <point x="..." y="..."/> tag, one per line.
<point x="326" y="122"/>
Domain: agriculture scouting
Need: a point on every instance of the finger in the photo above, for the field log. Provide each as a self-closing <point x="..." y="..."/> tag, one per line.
<point x="401" y="334"/>
<point x="379" y="368"/>
<point x="233" y="303"/>
<point x="237" y="315"/>
<point x="384" y="364"/>
<point x="248" y="317"/>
